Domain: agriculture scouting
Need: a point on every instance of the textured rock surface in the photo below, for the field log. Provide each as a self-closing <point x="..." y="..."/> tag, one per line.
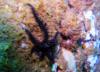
<point x="51" y="12"/>
<point x="97" y="13"/>
<point x="15" y="12"/>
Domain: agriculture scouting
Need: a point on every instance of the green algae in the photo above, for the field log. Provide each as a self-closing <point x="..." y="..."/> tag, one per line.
<point x="9" y="61"/>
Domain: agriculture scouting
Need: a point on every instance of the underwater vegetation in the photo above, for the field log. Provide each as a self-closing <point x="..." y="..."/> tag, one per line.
<point x="54" y="15"/>
<point x="9" y="61"/>
<point x="12" y="60"/>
